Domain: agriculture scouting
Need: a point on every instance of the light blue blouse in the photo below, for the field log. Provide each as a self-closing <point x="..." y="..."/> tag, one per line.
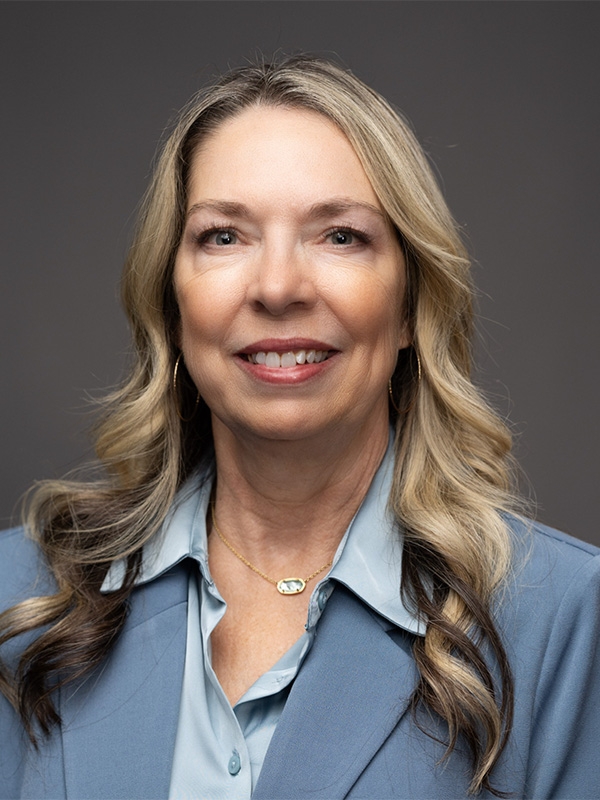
<point x="219" y="750"/>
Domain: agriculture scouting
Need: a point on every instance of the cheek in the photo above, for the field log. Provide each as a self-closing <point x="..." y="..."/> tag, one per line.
<point x="371" y="309"/>
<point x="206" y="308"/>
<point x="196" y="322"/>
<point x="385" y="329"/>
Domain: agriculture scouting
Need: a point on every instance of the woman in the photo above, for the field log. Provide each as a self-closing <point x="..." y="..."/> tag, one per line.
<point x="302" y="575"/>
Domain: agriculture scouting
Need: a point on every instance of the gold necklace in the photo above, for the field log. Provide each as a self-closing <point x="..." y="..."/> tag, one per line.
<point x="285" y="585"/>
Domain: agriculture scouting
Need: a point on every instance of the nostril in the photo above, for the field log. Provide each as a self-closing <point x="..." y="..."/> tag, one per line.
<point x="276" y="290"/>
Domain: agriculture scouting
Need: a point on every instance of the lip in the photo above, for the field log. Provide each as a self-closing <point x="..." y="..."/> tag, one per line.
<point x="285" y="346"/>
<point x="290" y="376"/>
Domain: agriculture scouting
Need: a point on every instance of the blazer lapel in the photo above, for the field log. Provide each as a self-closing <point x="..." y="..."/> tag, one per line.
<point x="349" y="695"/>
<point x="119" y="725"/>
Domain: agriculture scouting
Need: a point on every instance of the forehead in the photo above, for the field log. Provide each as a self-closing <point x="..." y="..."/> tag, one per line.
<point x="287" y="155"/>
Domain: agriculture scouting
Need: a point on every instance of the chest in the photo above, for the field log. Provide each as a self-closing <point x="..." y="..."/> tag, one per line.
<point x="258" y="627"/>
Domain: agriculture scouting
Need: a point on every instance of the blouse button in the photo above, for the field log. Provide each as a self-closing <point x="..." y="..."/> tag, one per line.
<point x="235" y="764"/>
<point x="322" y="599"/>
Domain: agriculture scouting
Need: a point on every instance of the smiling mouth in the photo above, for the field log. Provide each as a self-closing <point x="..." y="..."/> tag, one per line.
<point x="290" y="358"/>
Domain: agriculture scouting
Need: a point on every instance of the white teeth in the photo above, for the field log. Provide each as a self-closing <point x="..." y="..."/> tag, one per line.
<point x="289" y="359"/>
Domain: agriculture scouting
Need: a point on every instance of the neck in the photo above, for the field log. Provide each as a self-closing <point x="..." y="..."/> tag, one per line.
<point x="282" y="500"/>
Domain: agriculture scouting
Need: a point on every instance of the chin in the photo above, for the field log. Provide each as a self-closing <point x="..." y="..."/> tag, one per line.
<point x="283" y="426"/>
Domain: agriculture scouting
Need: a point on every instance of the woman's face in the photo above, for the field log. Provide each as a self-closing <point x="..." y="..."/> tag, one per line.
<point x="289" y="279"/>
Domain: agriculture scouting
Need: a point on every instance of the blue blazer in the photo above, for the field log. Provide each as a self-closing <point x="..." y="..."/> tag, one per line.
<point x="345" y="731"/>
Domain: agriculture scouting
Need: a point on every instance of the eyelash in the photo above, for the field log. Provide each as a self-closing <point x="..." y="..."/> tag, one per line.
<point x="201" y="237"/>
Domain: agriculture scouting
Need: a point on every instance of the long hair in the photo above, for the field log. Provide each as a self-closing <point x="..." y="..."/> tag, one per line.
<point x="452" y="470"/>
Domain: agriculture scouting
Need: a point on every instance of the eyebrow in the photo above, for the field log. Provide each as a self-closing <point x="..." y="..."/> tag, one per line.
<point x="329" y="208"/>
<point x="223" y="206"/>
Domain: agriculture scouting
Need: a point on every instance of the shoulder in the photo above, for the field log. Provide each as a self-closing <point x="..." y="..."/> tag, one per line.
<point x="553" y="590"/>
<point x="542" y="554"/>
<point x="23" y="572"/>
<point x="547" y="536"/>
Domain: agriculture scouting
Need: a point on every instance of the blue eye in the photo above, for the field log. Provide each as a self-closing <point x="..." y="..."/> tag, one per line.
<point x="342" y="237"/>
<point x="223" y="238"/>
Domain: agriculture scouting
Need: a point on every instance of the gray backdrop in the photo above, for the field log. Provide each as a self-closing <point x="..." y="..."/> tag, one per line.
<point x="504" y="97"/>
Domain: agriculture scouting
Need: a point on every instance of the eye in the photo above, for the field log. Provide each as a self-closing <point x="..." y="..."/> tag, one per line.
<point x="215" y="235"/>
<point x="345" y="237"/>
<point x="341" y="237"/>
<point x="221" y="238"/>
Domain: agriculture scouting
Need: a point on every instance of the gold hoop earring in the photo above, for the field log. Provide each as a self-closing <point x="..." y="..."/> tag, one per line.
<point x="175" y="395"/>
<point x="391" y="392"/>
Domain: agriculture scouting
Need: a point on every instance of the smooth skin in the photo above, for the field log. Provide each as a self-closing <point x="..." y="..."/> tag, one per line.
<point x="286" y="248"/>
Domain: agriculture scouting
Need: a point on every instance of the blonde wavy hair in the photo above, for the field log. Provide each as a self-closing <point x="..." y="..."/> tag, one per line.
<point x="452" y="472"/>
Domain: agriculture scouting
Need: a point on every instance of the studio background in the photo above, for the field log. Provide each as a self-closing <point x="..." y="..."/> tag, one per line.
<point x="504" y="97"/>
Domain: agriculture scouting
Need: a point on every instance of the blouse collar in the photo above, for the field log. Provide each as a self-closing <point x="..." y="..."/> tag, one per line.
<point x="368" y="560"/>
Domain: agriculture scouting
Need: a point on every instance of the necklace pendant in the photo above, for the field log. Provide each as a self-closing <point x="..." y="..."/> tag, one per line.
<point x="291" y="586"/>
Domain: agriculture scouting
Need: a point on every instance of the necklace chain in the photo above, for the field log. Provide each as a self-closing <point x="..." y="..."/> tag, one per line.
<point x="284" y="586"/>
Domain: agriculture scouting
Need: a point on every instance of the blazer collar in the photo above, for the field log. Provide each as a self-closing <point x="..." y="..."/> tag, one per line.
<point x="119" y="725"/>
<point x="353" y="688"/>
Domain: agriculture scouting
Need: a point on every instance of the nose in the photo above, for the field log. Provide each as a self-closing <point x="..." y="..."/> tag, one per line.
<point x="282" y="279"/>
